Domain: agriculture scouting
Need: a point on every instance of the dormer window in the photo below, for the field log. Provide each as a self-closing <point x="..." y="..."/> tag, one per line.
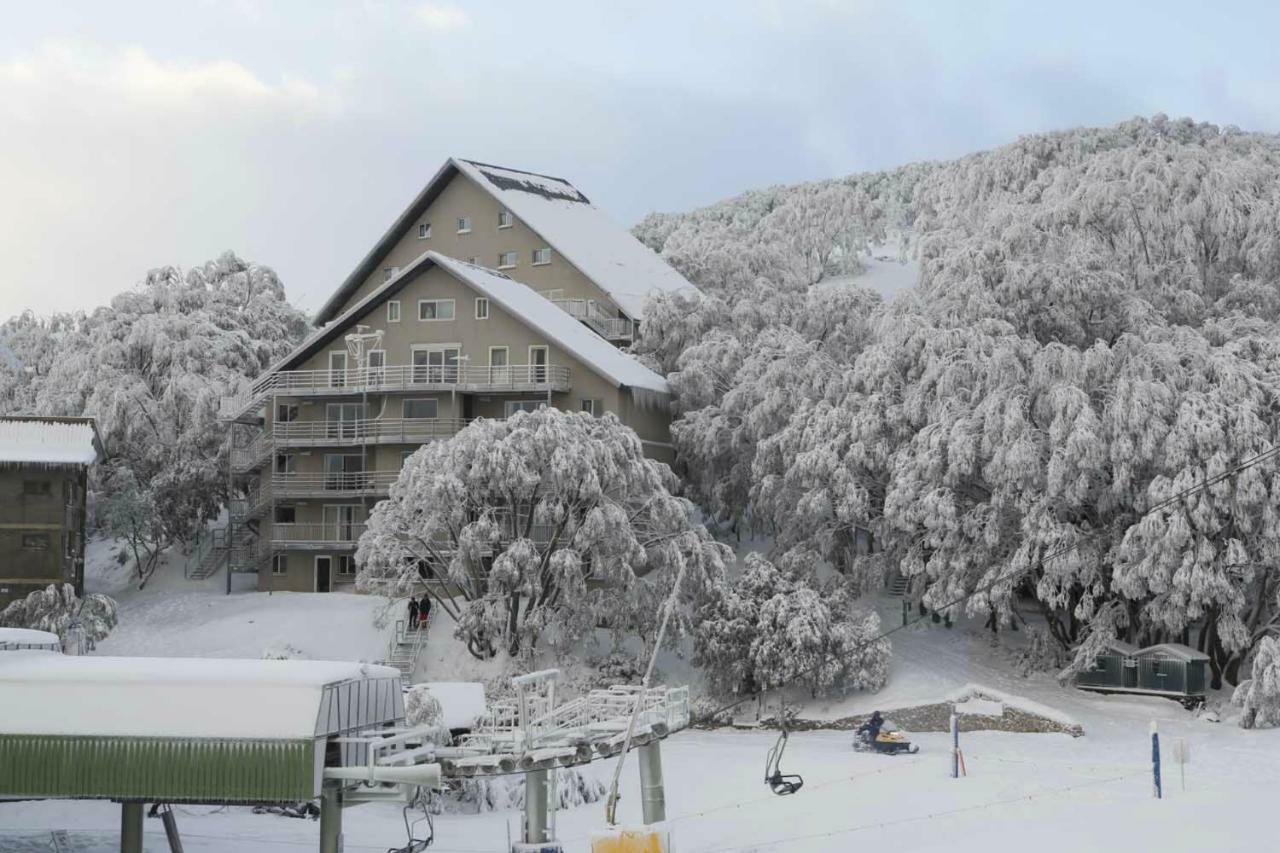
<point x="464" y="224"/>
<point x="389" y="273"/>
<point x="506" y="260"/>
<point x="424" y="231"/>
<point x="505" y="219"/>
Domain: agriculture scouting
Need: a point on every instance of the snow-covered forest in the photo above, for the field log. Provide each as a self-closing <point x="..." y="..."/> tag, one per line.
<point x="1096" y="328"/>
<point x="152" y="367"/>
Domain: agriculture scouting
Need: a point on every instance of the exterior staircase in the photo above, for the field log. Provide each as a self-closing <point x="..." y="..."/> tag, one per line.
<point x="211" y="555"/>
<point x="406" y="647"/>
<point x="897" y="585"/>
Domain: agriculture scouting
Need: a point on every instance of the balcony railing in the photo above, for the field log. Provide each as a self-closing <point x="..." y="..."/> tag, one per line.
<point x="336" y="534"/>
<point x="341" y="433"/>
<point x="417" y="377"/>
<point x="332" y="484"/>
<point x="589" y="312"/>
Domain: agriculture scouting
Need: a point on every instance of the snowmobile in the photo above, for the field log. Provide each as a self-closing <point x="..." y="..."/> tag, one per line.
<point x="889" y="740"/>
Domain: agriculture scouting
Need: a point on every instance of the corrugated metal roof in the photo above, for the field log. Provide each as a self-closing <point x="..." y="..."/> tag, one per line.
<point x="159" y="770"/>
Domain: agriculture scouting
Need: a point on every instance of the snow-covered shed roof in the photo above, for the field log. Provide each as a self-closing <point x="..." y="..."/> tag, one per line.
<point x="522" y="301"/>
<point x="461" y="702"/>
<point x="54" y="694"/>
<point x="49" y="441"/>
<point x="26" y="638"/>
<point x="1172" y="650"/>
<point x="575" y="229"/>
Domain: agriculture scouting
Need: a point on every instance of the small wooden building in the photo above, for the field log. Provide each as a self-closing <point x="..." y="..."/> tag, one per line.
<point x="44" y="471"/>
<point x="1165" y="669"/>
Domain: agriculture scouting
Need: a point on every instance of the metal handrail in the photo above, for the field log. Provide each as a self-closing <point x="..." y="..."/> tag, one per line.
<point x="369" y="482"/>
<point x="404" y="377"/>
<point x="588" y="311"/>
<point x="333" y="532"/>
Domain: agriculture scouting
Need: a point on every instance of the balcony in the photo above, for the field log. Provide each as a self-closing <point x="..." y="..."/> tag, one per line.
<point x="332" y="535"/>
<point x="512" y="378"/>
<point x="340" y="434"/>
<point x="588" y="311"/>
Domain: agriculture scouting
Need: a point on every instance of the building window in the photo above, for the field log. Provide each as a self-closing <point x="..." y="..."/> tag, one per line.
<point x="35" y="541"/>
<point x="286" y="515"/>
<point x="482" y="308"/>
<point x="513" y="406"/>
<point x="506" y="260"/>
<point x="423" y="408"/>
<point x="280" y="564"/>
<point x="390" y="273"/>
<point x="346" y="564"/>
<point x="505" y="219"/>
<point x="541" y="257"/>
<point x="393" y="311"/>
<point x="475" y="262"/>
<point x="424" y="230"/>
<point x="435" y="309"/>
<point x="375" y="361"/>
<point x="286" y="413"/>
<point x="37" y="488"/>
<point x="464" y="224"/>
<point x="593" y="407"/>
<point x="286" y="463"/>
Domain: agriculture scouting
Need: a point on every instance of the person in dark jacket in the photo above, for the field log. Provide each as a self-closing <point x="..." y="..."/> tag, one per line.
<point x="424" y="608"/>
<point x="413" y="614"/>
<point x="872" y="726"/>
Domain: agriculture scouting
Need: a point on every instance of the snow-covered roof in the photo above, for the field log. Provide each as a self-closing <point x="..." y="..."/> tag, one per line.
<point x="53" y="694"/>
<point x="572" y="226"/>
<point x="522" y="301"/>
<point x="1172" y="650"/>
<point x="49" y="441"/>
<point x="461" y="702"/>
<point x="581" y="233"/>
<point x="11" y="638"/>
<point x="1122" y="647"/>
<point x="559" y="326"/>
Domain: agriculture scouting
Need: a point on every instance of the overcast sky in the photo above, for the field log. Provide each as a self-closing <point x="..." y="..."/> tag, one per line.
<point x="136" y="134"/>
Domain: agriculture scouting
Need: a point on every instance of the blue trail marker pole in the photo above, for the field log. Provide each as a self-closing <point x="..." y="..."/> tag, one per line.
<point x="1155" y="758"/>
<point x="955" y="746"/>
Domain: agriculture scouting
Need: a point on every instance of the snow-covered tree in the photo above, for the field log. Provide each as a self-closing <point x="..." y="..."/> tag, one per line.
<point x="539" y="527"/>
<point x="1093" y="334"/>
<point x="152" y="367"/>
<point x="767" y="628"/>
<point x="57" y="609"/>
<point x="1258" y="696"/>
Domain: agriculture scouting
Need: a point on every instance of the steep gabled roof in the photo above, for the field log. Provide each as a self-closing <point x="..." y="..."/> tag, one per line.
<point x="520" y="300"/>
<point x="575" y="229"/>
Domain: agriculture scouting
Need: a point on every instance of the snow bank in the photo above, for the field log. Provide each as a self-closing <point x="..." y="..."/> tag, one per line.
<point x="978" y="693"/>
<point x="461" y="702"/>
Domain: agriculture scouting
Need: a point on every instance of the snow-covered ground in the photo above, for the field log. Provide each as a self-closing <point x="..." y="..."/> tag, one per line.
<point x="176" y="617"/>
<point x="1050" y="791"/>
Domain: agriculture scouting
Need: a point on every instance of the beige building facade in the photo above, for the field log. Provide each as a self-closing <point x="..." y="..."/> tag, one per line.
<point x="447" y="338"/>
<point x="44" y="469"/>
